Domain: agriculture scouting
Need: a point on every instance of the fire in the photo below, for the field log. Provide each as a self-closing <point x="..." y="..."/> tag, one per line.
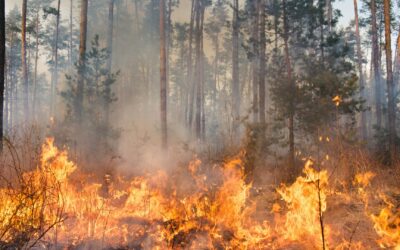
<point x="58" y="205"/>
<point x="142" y="211"/>
<point x="306" y="202"/>
<point x="387" y="225"/>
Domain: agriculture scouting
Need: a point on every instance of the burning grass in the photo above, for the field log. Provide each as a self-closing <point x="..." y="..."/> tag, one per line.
<point x="58" y="205"/>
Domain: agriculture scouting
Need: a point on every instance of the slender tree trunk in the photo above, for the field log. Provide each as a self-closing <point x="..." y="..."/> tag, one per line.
<point x="12" y="82"/>
<point x="235" y="69"/>
<point x="396" y="77"/>
<point x="82" y="59"/>
<point x="23" y="59"/>
<point x="163" y="77"/>
<point x="109" y="61"/>
<point x="375" y="61"/>
<point x="390" y="85"/>
<point x="261" y="80"/>
<point x="2" y="67"/>
<point x="110" y="32"/>
<point x="189" y="78"/>
<point x="203" y="116"/>
<point x="70" y="33"/>
<point x="363" y="121"/>
<point x="292" y="86"/>
<point x="276" y="24"/>
<point x="198" y="69"/>
<point x="321" y="30"/>
<point x="54" y="81"/>
<point x="34" y="101"/>
<point x="255" y="61"/>
<point x="329" y="13"/>
<point x="216" y="73"/>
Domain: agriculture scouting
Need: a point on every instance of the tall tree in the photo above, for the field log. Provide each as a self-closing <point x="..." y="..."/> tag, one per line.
<point x="396" y="77"/>
<point x="376" y="64"/>
<point x="110" y="32"/>
<point x="261" y="79"/>
<point x="23" y="61"/>
<point x="54" y="80"/>
<point x="363" y="121"/>
<point x="2" y="66"/>
<point x="71" y="6"/>
<point x="235" y="68"/>
<point x="82" y="59"/>
<point x="288" y="64"/>
<point x="197" y="75"/>
<point x="255" y="59"/>
<point x="163" y="77"/>
<point x="389" y="81"/>
<point x="189" y="77"/>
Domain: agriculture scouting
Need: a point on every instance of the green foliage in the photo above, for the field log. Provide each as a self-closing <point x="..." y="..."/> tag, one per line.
<point x="97" y="95"/>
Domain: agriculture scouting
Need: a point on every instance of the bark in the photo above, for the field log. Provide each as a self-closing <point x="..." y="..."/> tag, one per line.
<point x="197" y="76"/>
<point x="321" y="32"/>
<point x="261" y="80"/>
<point x="203" y="116"/>
<point x="292" y="87"/>
<point x="396" y="77"/>
<point x="163" y="77"/>
<point x="329" y="13"/>
<point x="82" y="59"/>
<point x="363" y="121"/>
<point x="255" y="62"/>
<point x="390" y="85"/>
<point x="70" y="33"/>
<point x="24" y="64"/>
<point x="375" y="62"/>
<point x="109" y="61"/>
<point x="36" y="66"/>
<point x="189" y="78"/>
<point x="110" y="32"/>
<point x="2" y="67"/>
<point x="235" y="68"/>
<point x="54" y="81"/>
<point x="216" y="74"/>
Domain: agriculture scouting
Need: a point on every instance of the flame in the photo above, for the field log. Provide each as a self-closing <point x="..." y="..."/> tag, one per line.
<point x="216" y="210"/>
<point x="306" y="202"/>
<point x="140" y="210"/>
<point x="387" y="225"/>
<point x="337" y="100"/>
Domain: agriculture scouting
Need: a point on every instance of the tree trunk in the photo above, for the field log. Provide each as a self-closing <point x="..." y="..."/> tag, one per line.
<point x="82" y="59"/>
<point x="197" y="76"/>
<point x="375" y="61"/>
<point x="396" y="77"/>
<point x="292" y="87"/>
<point x="363" y="121"/>
<point x="235" y="69"/>
<point x="189" y="77"/>
<point x="390" y="85"/>
<point x="34" y="101"/>
<point x="110" y="32"/>
<point x="23" y="59"/>
<point x="2" y="67"/>
<point x="163" y="77"/>
<point x="54" y="81"/>
<point x="70" y="34"/>
<point x="109" y="61"/>
<point x="329" y="13"/>
<point x="255" y="59"/>
<point x="203" y="116"/>
<point x="261" y="80"/>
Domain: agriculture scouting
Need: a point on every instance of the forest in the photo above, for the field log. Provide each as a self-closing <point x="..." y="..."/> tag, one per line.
<point x="199" y="124"/>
